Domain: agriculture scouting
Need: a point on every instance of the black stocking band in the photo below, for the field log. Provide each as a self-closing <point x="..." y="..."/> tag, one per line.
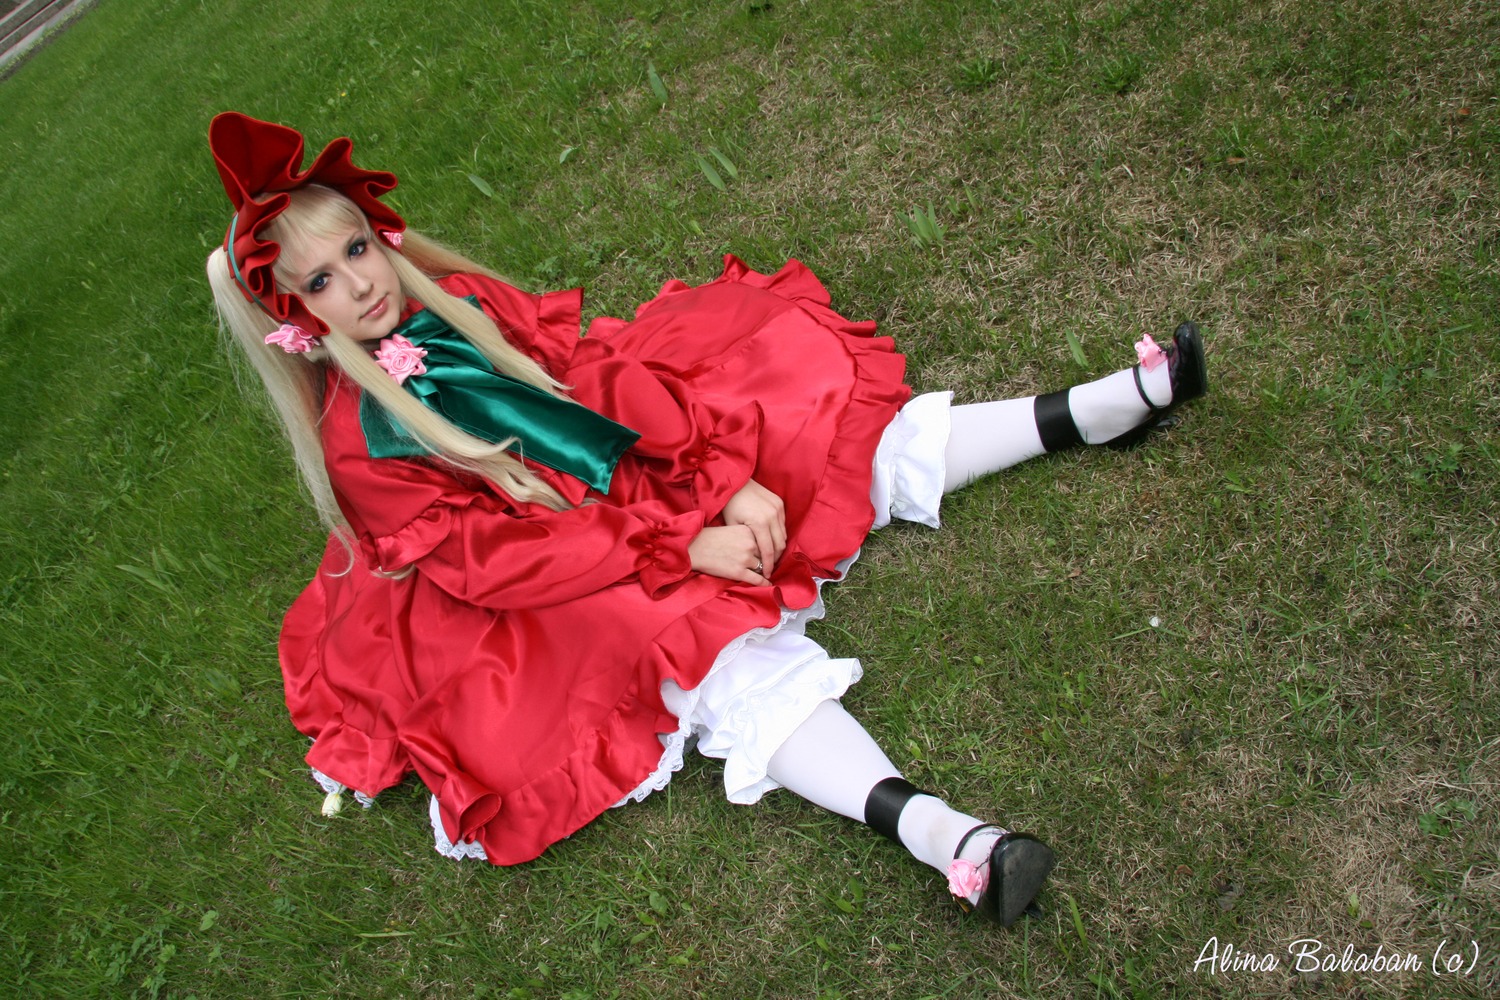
<point x="884" y="804"/>
<point x="1054" y="422"/>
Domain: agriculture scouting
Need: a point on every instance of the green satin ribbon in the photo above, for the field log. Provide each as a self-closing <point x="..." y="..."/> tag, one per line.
<point x="462" y="385"/>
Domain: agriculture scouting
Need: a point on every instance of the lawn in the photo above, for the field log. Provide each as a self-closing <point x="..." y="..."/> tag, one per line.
<point x="1243" y="678"/>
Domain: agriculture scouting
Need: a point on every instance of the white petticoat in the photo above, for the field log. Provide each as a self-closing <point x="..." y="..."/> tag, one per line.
<point x="766" y="683"/>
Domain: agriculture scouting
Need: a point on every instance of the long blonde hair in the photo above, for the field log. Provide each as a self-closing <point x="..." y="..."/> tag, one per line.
<point x="294" y="382"/>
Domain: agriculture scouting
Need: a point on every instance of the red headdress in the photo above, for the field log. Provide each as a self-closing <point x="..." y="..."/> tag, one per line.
<point x="259" y="162"/>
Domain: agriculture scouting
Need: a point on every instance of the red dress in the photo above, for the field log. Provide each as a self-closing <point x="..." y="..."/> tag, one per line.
<point x="517" y="668"/>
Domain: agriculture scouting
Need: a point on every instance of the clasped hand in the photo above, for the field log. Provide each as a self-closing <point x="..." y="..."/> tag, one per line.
<point x="749" y="543"/>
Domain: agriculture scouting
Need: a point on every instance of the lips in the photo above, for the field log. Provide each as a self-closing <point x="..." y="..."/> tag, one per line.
<point x="378" y="309"/>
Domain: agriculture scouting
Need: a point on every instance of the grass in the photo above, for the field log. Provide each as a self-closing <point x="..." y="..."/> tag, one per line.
<point x="1303" y="746"/>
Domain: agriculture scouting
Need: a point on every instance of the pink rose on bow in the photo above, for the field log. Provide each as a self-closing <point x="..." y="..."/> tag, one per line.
<point x="1151" y="356"/>
<point x="393" y="238"/>
<point x="292" y="339"/>
<point x="400" y="358"/>
<point x="964" y="879"/>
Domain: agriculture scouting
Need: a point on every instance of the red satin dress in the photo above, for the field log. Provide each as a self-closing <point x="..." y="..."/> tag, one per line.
<point x="518" y="667"/>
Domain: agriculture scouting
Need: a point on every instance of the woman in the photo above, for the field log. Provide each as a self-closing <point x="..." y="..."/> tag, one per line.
<point x="554" y="559"/>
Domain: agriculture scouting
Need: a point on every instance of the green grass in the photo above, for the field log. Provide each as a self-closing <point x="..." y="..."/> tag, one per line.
<point x="1303" y="747"/>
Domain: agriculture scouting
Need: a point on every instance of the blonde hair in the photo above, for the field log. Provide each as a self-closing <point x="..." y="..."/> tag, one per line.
<point x="294" y="382"/>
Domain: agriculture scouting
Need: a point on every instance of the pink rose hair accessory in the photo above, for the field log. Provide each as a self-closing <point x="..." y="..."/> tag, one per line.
<point x="393" y="238"/>
<point x="292" y="339"/>
<point x="965" y="880"/>
<point x="1150" y="354"/>
<point x="400" y="358"/>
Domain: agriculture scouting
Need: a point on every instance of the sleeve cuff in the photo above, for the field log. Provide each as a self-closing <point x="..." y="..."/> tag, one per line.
<point x="666" y="552"/>
<point x="417" y="537"/>
<point x="465" y="806"/>
<point x="727" y="461"/>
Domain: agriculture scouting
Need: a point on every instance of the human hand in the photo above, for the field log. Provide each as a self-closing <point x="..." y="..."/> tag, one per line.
<point x="729" y="551"/>
<point x="762" y="511"/>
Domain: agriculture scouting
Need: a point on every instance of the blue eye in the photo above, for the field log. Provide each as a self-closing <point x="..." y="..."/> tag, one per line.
<point x="318" y="283"/>
<point x="357" y="248"/>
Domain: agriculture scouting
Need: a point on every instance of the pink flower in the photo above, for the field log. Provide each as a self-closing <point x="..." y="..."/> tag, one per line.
<point x="1150" y="355"/>
<point x="393" y="238"/>
<point x="400" y="358"/>
<point x="964" y="879"/>
<point x="292" y="339"/>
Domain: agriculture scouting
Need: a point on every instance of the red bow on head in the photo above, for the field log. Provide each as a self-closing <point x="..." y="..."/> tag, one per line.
<point x="259" y="162"/>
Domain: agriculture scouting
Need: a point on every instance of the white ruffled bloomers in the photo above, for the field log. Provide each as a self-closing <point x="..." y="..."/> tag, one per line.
<point x="767" y="682"/>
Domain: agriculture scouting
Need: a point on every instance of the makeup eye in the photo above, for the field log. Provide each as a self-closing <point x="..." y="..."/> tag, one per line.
<point x="318" y="283"/>
<point x="357" y="248"/>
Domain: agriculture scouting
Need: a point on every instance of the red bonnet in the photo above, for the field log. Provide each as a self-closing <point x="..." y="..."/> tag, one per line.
<point x="259" y="162"/>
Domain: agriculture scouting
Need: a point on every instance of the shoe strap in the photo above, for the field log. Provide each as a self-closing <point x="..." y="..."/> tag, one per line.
<point x="1054" y="421"/>
<point x="963" y="842"/>
<point x="884" y="804"/>
<point x="1136" y="371"/>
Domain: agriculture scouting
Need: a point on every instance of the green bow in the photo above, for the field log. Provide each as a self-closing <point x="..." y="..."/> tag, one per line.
<point x="462" y="385"/>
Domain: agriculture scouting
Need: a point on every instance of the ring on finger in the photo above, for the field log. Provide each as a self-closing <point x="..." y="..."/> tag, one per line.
<point x="760" y="568"/>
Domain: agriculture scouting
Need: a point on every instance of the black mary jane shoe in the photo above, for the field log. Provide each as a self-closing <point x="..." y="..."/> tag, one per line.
<point x="1188" y="374"/>
<point x="1018" y="865"/>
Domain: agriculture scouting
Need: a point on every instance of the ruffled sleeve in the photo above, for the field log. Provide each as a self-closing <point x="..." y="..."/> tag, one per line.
<point x="482" y="553"/>
<point x="480" y="545"/>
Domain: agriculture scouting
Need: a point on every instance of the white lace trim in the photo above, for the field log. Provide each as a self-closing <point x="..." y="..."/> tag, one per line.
<point x="674" y="746"/>
<point x="333" y="800"/>
<point x="447" y="848"/>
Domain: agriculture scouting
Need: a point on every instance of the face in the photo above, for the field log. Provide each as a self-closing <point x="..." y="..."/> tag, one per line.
<point x="348" y="283"/>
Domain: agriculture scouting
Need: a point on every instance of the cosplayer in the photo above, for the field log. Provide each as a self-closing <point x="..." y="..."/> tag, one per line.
<point x="555" y="559"/>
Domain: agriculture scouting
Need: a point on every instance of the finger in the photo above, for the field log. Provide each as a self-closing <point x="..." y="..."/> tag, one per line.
<point x="748" y="576"/>
<point x="765" y="547"/>
<point x="778" y="523"/>
<point x="747" y="550"/>
<point x="770" y="537"/>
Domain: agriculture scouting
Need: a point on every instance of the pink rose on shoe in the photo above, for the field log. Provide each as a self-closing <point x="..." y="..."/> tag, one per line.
<point x="965" y="880"/>
<point x="1150" y="353"/>
<point x="400" y="358"/>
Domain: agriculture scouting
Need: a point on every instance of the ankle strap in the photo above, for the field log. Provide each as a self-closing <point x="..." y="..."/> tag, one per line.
<point x="958" y="851"/>
<point x="884" y="804"/>
<point x="1136" y="371"/>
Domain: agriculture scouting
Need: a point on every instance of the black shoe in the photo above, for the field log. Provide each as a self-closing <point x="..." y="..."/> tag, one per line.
<point x="1014" y="873"/>
<point x="1188" y="374"/>
<point x="1018" y="865"/>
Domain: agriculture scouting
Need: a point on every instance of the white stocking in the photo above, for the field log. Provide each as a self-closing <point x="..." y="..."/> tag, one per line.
<point x="988" y="437"/>
<point x="832" y="762"/>
<point x="1112" y="405"/>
